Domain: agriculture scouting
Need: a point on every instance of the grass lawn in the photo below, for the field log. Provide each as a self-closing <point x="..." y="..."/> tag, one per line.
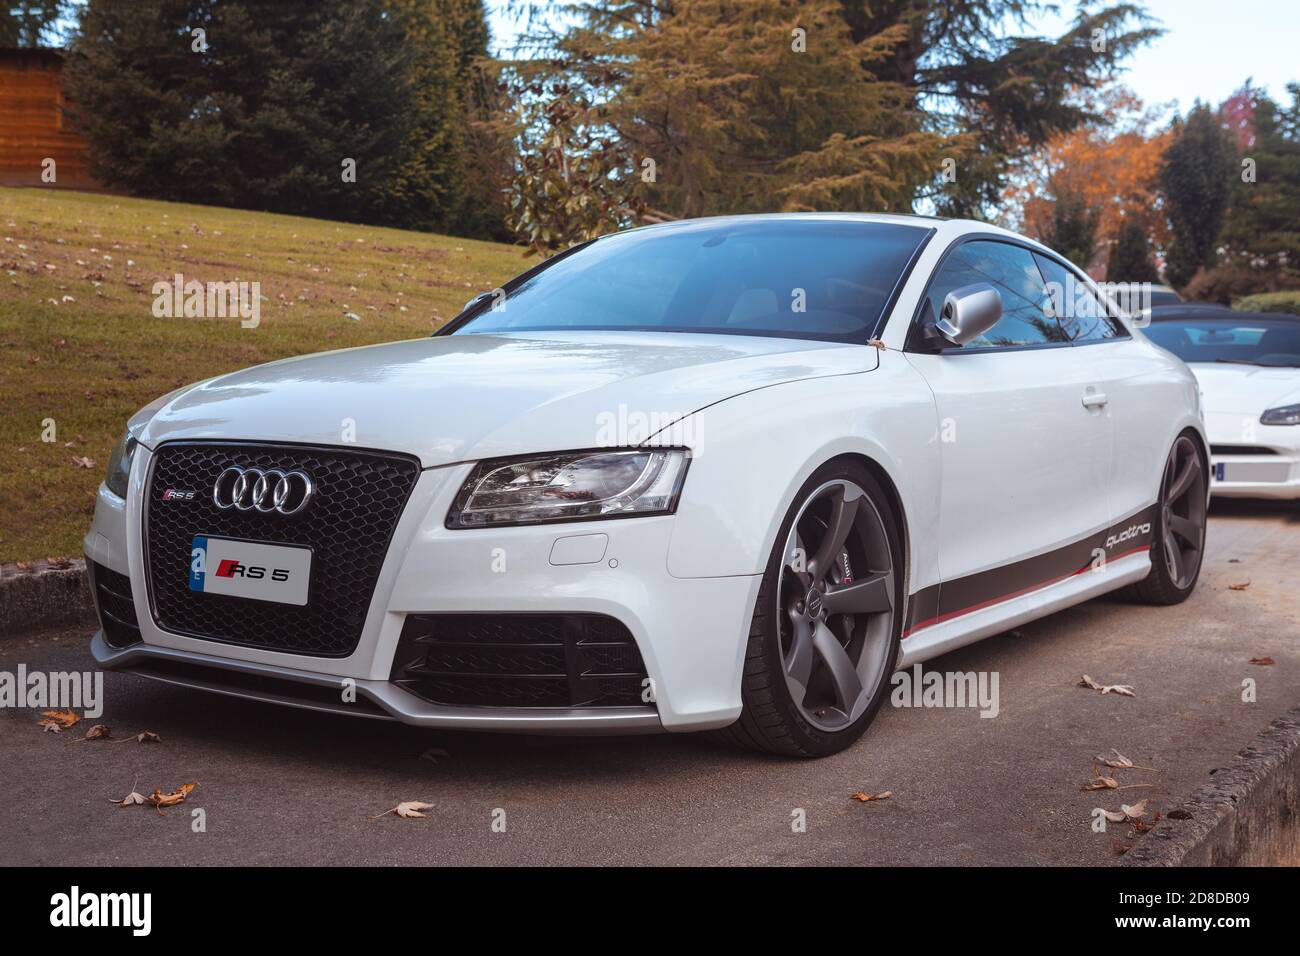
<point x="79" y="343"/>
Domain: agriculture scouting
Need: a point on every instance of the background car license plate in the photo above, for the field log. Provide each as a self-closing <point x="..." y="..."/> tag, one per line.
<point x="263" y="572"/>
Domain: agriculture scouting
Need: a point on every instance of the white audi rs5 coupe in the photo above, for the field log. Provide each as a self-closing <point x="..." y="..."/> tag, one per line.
<point x="723" y="474"/>
<point x="1248" y="364"/>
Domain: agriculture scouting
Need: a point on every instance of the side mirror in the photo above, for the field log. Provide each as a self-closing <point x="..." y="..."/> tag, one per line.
<point x="969" y="312"/>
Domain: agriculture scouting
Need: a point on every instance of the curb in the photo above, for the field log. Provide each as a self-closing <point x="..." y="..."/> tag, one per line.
<point x="41" y="596"/>
<point x="1248" y="815"/>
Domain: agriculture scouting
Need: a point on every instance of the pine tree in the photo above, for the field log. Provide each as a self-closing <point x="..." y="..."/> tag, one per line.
<point x="710" y="107"/>
<point x="277" y="102"/>
<point x="1196" y="177"/>
<point x="1072" y="230"/>
<point x="1130" y="256"/>
<point x="971" y="68"/>
<point x="1261" y="232"/>
<point x="30" y="23"/>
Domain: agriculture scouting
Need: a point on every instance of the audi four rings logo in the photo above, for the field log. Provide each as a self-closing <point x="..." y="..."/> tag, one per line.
<point x="255" y="489"/>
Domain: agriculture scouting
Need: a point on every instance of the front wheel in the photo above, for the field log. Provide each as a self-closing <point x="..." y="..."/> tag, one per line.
<point x="1179" y="544"/>
<point x="825" y="632"/>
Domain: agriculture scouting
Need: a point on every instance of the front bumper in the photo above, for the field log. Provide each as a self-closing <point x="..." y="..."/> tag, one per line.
<point x="374" y="699"/>
<point x="691" y="632"/>
<point x="1263" y="477"/>
<point x="1251" y="460"/>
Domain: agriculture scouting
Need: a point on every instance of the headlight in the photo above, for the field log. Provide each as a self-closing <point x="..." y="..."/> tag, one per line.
<point x="119" y="464"/>
<point x="570" y="486"/>
<point x="1286" y="415"/>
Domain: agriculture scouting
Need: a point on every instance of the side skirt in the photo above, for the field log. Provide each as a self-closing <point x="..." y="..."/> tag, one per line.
<point x="963" y="611"/>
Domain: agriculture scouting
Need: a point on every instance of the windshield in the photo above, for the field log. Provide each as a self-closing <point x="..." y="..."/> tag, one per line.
<point x="813" y="279"/>
<point x="1246" y="339"/>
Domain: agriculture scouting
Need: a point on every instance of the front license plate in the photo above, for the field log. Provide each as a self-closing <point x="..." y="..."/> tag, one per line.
<point x="246" y="569"/>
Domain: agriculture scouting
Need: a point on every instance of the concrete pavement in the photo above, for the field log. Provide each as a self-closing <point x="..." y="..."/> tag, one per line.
<point x="283" y="786"/>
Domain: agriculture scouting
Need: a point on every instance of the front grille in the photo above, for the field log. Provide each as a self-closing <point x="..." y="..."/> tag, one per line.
<point x="113" y="602"/>
<point x="520" y="660"/>
<point x="348" y="524"/>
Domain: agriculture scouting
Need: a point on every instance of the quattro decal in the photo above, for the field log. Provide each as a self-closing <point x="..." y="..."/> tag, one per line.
<point x="951" y="599"/>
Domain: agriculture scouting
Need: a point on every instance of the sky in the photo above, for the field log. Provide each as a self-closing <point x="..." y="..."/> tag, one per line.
<point x="1209" y="49"/>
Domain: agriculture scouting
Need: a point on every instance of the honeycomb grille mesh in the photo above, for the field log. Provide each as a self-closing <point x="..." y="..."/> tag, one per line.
<point x="348" y="524"/>
<point x="520" y="660"/>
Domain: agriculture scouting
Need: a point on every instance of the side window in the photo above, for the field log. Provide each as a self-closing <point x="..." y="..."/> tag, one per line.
<point x="1012" y="271"/>
<point x="1083" y="316"/>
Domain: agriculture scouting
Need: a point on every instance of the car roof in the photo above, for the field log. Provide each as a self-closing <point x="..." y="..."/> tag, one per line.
<point x="948" y="228"/>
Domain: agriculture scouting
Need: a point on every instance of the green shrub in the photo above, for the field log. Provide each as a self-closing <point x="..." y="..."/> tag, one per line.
<point x="1270" y="302"/>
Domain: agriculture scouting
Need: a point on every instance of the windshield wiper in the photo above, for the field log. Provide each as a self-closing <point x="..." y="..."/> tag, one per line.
<point x="1245" y="362"/>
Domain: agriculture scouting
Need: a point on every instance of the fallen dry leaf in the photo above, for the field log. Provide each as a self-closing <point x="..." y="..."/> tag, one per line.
<point x="82" y="462"/>
<point x="58" y="720"/>
<point x="1120" y="762"/>
<point x="1263" y="661"/>
<point x="97" y="732"/>
<point x="59" y="562"/>
<point x="1125" y="690"/>
<point x="159" y="799"/>
<point x="1101" y="782"/>
<point x="865" y="797"/>
<point x="408" y="809"/>
<point x="143" y="737"/>
<point x="1114" y="816"/>
<point x="434" y="754"/>
<point x="1238" y="587"/>
<point x="130" y="799"/>
<point x="1141" y="826"/>
<point x="1138" y="809"/>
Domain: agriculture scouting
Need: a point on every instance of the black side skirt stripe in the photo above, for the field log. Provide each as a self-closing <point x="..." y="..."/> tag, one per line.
<point x="951" y="599"/>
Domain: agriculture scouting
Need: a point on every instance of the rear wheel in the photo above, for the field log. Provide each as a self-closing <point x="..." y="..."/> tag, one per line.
<point x="1179" y="528"/>
<point x="825" y="631"/>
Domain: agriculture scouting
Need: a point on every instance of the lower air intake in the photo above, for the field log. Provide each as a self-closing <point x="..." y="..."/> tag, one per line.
<point x="520" y="660"/>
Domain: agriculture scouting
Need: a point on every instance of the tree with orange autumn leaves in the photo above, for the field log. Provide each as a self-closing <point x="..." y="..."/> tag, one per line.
<point x="1111" y="165"/>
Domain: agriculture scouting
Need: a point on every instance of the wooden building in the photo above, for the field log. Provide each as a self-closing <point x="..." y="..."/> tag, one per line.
<point x="33" y="125"/>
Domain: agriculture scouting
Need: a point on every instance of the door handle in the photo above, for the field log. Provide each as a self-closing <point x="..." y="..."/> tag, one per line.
<point x="1094" y="399"/>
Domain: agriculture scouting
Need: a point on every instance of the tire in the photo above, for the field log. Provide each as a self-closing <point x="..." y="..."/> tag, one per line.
<point x="1181" y="513"/>
<point x="857" y="576"/>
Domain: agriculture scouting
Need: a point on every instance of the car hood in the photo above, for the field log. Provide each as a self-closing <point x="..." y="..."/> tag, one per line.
<point x="1246" y="389"/>
<point x="464" y="397"/>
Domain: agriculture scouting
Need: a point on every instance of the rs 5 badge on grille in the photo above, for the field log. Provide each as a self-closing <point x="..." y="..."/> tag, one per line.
<point x="262" y="572"/>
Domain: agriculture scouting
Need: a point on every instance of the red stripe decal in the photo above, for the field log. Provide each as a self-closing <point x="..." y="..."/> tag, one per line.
<point x="931" y="622"/>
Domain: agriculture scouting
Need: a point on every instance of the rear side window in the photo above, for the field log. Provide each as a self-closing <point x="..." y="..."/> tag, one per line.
<point x="1083" y="316"/>
<point x="1026" y="319"/>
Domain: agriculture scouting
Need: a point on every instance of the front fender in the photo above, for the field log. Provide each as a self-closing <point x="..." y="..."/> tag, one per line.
<point x="751" y="454"/>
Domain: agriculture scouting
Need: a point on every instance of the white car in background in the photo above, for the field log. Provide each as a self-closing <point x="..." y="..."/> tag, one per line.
<point x="1248" y="365"/>
<point x="717" y="474"/>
